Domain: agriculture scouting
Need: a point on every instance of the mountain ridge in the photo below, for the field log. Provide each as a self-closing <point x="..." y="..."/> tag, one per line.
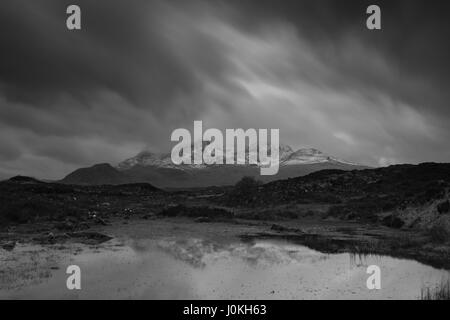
<point x="287" y="156"/>
<point x="158" y="169"/>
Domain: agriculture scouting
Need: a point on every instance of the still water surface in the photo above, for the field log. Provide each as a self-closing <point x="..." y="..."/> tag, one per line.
<point x="198" y="269"/>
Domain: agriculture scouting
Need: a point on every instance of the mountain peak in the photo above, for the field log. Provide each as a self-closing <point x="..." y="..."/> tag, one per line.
<point x="146" y="158"/>
<point x="102" y="173"/>
<point x="284" y="148"/>
<point x="306" y="156"/>
<point x="106" y="166"/>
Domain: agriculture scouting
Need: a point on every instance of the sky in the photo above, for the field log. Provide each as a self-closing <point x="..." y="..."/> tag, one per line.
<point x="137" y="70"/>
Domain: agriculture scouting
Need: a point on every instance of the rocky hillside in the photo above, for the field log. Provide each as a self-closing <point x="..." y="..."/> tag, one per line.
<point x="371" y="194"/>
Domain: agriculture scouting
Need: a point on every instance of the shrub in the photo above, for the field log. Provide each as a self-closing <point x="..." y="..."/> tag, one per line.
<point x="443" y="207"/>
<point x="244" y="192"/>
<point x="247" y="185"/>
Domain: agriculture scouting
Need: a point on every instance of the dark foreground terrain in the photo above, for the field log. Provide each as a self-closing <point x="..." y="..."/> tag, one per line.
<point x="401" y="211"/>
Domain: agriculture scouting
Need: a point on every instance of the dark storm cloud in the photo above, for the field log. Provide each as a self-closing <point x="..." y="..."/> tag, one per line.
<point x="119" y="49"/>
<point x="139" y="69"/>
<point x="414" y="39"/>
<point x="9" y="149"/>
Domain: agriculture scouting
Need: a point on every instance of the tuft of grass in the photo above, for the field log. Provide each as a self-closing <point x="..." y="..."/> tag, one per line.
<point x="440" y="292"/>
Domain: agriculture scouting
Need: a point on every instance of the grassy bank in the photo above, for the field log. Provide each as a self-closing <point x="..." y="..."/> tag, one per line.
<point x="439" y="292"/>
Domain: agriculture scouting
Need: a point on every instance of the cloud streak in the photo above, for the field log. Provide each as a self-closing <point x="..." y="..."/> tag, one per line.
<point x="137" y="70"/>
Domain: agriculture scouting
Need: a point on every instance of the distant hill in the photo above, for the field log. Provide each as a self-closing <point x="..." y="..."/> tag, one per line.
<point x="24" y="179"/>
<point x="158" y="169"/>
<point x="98" y="174"/>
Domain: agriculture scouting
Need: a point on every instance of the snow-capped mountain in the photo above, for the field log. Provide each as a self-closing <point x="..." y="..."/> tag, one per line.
<point x="309" y="156"/>
<point x="151" y="159"/>
<point x="158" y="169"/>
<point x="288" y="157"/>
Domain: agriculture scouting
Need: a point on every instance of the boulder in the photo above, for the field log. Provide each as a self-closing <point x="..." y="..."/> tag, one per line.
<point x="9" y="246"/>
<point x="392" y="221"/>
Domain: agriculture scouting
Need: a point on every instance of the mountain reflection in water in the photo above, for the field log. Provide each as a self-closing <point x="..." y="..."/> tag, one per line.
<point x="199" y="269"/>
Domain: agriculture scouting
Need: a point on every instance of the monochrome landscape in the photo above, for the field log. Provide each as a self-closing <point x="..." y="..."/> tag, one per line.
<point x="89" y="185"/>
